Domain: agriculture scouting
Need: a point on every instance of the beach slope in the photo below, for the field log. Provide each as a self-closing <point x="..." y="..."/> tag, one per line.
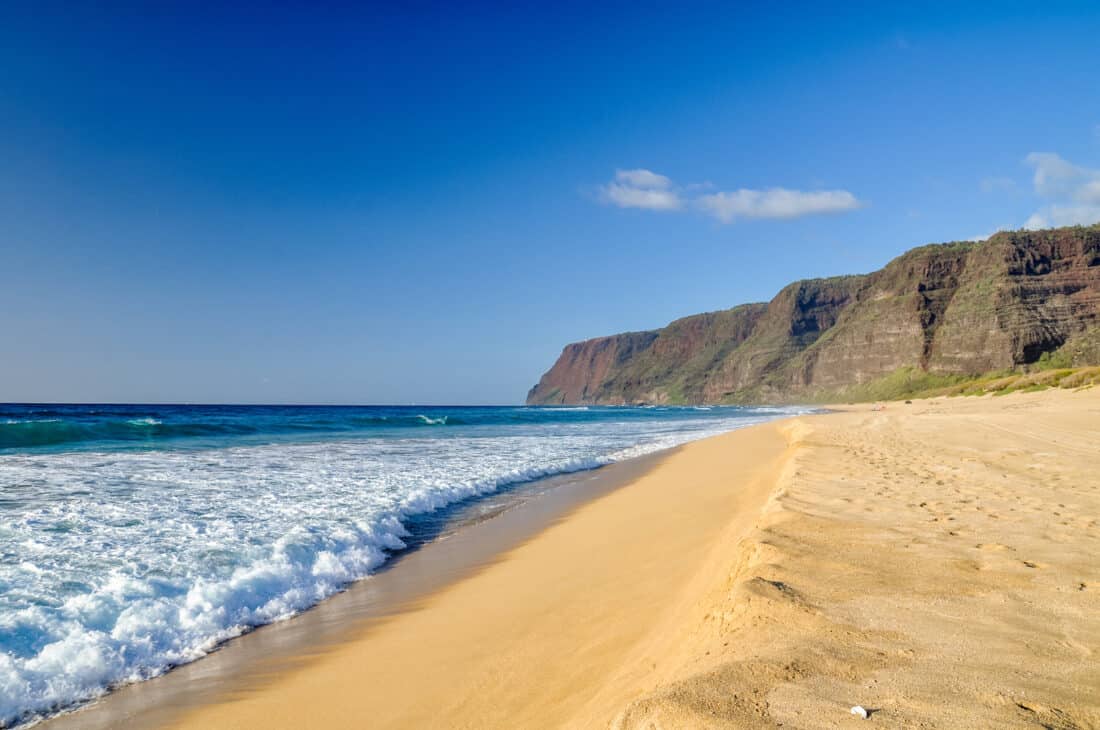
<point x="933" y="562"/>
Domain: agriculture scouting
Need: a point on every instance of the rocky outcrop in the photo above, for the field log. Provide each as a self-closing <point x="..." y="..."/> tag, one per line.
<point x="956" y="308"/>
<point x="580" y="374"/>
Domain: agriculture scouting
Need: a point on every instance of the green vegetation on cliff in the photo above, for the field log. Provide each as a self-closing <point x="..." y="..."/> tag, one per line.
<point x="912" y="383"/>
<point x="937" y="317"/>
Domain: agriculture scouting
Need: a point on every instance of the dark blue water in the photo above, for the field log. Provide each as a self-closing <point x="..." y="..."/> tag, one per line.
<point x="31" y="426"/>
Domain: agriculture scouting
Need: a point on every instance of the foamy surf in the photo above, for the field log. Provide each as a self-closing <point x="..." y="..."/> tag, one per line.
<point x="120" y="558"/>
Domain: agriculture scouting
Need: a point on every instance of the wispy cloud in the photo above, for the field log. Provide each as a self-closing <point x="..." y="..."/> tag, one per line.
<point x="1074" y="192"/>
<point x="1056" y="216"/>
<point x="985" y="236"/>
<point x="640" y="188"/>
<point x="642" y="179"/>
<point x="776" y="203"/>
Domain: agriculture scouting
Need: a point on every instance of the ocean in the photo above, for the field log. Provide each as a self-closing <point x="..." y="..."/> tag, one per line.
<point x="135" y="538"/>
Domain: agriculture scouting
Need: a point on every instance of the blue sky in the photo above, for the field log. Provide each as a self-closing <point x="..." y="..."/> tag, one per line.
<point x="310" y="204"/>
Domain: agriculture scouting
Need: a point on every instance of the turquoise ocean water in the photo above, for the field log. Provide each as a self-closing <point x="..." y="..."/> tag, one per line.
<point x="135" y="538"/>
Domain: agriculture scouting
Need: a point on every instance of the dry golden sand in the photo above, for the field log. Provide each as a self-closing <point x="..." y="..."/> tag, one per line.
<point x="937" y="563"/>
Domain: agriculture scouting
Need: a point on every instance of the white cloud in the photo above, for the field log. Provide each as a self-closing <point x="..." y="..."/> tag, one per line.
<point x="986" y="236"/>
<point x="1055" y="216"/>
<point x="626" y="196"/>
<point x="1057" y="177"/>
<point x="1074" y="192"/>
<point x="1036" y="221"/>
<point x="640" y="188"/>
<point x="643" y="179"/>
<point x="776" y="203"/>
<point x="1090" y="192"/>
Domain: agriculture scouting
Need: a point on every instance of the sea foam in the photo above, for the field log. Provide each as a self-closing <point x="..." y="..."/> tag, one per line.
<point x="116" y="565"/>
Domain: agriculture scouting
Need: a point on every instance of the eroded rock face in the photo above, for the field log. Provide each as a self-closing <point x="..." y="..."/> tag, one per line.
<point x="957" y="308"/>
<point x="583" y="368"/>
<point x="892" y="322"/>
<point x="1024" y="294"/>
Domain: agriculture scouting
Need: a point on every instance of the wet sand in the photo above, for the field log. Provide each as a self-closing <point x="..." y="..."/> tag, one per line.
<point x="529" y="639"/>
<point x="472" y="537"/>
<point x="935" y="563"/>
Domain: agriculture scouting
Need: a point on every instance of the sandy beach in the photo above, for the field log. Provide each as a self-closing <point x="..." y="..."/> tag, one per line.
<point x="933" y="562"/>
<point x="527" y="366"/>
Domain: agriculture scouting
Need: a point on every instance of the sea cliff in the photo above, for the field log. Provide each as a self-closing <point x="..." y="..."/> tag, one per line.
<point x="953" y="309"/>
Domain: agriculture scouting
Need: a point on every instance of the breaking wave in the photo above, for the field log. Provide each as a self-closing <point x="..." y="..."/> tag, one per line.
<point x="117" y="564"/>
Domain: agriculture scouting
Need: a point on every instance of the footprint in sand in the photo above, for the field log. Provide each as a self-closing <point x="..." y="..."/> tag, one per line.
<point x="993" y="547"/>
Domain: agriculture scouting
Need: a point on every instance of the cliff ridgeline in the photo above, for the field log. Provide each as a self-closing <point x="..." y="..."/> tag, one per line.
<point x="936" y="314"/>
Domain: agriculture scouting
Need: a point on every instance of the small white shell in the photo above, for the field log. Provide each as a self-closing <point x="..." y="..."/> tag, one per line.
<point x="857" y="710"/>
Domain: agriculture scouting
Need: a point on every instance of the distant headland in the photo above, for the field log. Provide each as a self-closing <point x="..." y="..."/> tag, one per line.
<point x="1020" y="309"/>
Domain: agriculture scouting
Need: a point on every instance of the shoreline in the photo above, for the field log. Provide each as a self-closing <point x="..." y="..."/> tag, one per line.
<point x="933" y="562"/>
<point x="523" y="640"/>
<point x="470" y="540"/>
